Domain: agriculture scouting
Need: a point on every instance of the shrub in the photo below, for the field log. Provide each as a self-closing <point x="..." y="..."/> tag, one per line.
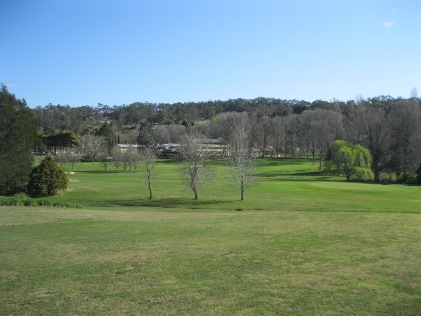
<point x="17" y="201"/>
<point x="47" y="179"/>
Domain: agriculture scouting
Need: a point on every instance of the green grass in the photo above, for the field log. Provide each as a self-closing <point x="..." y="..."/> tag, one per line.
<point x="304" y="243"/>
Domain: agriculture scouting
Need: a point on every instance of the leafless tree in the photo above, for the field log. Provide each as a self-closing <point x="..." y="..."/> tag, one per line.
<point x="324" y="127"/>
<point x="68" y="157"/>
<point x="195" y="163"/>
<point x="370" y="126"/>
<point x="279" y="135"/>
<point x="225" y="123"/>
<point x="104" y="159"/>
<point x="265" y="134"/>
<point x="149" y="158"/>
<point x="162" y="135"/>
<point x="405" y="118"/>
<point x="117" y="157"/>
<point x="290" y="132"/>
<point x="91" y="145"/>
<point x="130" y="158"/>
<point x="165" y="134"/>
<point x="242" y="164"/>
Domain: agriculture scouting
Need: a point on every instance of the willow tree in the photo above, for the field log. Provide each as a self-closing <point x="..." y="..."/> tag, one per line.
<point x="351" y="160"/>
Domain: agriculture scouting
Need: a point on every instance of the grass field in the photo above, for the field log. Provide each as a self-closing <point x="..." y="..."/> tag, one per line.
<point x="304" y="243"/>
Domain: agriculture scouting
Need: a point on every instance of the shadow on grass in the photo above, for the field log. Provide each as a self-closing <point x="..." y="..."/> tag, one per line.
<point x="169" y="203"/>
<point x="268" y="162"/>
<point x="106" y="172"/>
<point x="299" y="176"/>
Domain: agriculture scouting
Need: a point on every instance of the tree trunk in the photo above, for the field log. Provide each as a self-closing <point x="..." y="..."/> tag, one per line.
<point x="149" y="187"/>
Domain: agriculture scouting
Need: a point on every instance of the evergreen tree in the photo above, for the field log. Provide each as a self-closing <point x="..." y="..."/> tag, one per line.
<point x="107" y="131"/>
<point x="47" y="179"/>
<point x="146" y="135"/>
<point x="17" y="137"/>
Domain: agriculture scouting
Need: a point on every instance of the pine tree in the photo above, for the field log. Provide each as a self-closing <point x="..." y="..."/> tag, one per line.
<point x="47" y="179"/>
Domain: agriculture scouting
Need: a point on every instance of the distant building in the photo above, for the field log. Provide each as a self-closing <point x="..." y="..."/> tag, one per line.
<point x="124" y="147"/>
<point x="215" y="147"/>
<point x="169" y="151"/>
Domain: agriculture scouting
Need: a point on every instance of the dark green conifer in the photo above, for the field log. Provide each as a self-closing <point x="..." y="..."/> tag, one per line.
<point x="47" y="179"/>
<point x="17" y="137"/>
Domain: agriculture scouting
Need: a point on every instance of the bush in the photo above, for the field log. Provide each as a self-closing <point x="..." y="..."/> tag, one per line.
<point x="18" y="201"/>
<point x="47" y="179"/>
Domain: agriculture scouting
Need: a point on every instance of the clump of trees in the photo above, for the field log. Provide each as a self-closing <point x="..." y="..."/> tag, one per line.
<point x="47" y="179"/>
<point x="58" y="142"/>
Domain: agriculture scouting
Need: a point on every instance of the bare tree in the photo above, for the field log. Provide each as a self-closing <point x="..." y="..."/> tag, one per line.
<point x="117" y="157"/>
<point x="290" y="133"/>
<point x="369" y="125"/>
<point x="169" y="134"/>
<point x="265" y="133"/>
<point x="92" y="145"/>
<point x="67" y="157"/>
<point x="324" y="127"/>
<point x="195" y="162"/>
<point x="278" y="135"/>
<point x="130" y="158"/>
<point x="149" y="158"/>
<point x="104" y="160"/>
<point x="162" y="135"/>
<point x="241" y="161"/>
<point x="405" y="118"/>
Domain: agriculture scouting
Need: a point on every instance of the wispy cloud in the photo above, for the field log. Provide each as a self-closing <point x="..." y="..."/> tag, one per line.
<point x="389" y="24"/>
<point x="10" y="85"/>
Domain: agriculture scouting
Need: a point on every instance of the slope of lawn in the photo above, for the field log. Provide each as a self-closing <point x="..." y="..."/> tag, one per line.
<point x="302" y="243"/>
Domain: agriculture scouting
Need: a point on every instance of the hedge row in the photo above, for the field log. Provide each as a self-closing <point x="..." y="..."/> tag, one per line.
<point x="16" y="201"/>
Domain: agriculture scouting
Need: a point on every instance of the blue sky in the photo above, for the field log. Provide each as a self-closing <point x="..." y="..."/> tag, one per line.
<point x="84" y="52"/>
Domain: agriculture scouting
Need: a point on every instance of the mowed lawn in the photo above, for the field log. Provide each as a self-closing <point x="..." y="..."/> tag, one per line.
<point x="303" y="243"/>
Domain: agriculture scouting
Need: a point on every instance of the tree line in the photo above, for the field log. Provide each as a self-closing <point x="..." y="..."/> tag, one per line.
<point x="388" y="128"/>
<point x="82" y="119"/>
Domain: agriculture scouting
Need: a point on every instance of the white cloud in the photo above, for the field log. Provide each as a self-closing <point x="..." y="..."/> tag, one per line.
<point x="389" y="24"/>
